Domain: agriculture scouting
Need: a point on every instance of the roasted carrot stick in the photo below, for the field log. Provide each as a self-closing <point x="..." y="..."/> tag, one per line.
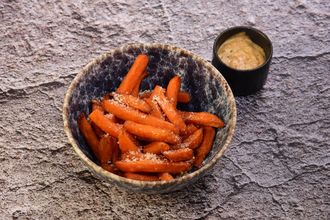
<point x="132" y="156"/>
<point x="99" y="133"/>
<point x="136" y="88"/>
<point x="111" y="117"/>
<point x="88" y="133"/>
<point x="132" y="77"/>
<point x="171" y="112"/>
<point x="142" y="177"/>
<point x="155" y="109"/>
<point x="190" y="128"/>
<point x="194" y="140"/>
<point x="132" y="101"/>
<point x="105" y="149"/>
<point x="96" y="104"/>
<point x="165" y="176"/>
<point x="150" y="166"/>
<point x="104" y="123"/>
<point x="127" y="113"/>
<point x="145" y="94"/>
<point x="156" y="147"/>
<point x="184" y="97"/>
<point x="173" y="89"/>
<point x="116" y="151"/>
<point x="182" y="154"/>
<point x="127" y="142"/>
<point x="151" y="133"/>
<point x="202" y="118"/>
<point x="206" y="145"/>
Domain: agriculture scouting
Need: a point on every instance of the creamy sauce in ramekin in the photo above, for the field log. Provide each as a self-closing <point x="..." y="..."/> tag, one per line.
<point x="240" y="52"/>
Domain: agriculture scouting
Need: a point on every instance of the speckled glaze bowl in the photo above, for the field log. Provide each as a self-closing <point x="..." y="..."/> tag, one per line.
<point x="209" y="90"/>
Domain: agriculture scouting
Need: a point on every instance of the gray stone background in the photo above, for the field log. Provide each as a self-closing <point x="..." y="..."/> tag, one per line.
<point x="278" y="165"/>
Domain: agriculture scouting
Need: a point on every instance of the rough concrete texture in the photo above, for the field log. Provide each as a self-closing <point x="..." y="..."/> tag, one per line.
<point x="278" y="166"/>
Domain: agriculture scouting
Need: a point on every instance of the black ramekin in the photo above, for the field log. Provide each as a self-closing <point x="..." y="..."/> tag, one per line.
<point x="244" y="82"/>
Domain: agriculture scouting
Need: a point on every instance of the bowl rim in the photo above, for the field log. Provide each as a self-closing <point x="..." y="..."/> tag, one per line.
<point x="137" y="183"/>
<point x="215" y="52"/>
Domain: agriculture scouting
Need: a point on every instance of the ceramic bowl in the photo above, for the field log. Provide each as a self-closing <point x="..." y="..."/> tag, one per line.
<point x="244" y="82"/>
<point x="209" y="90"/>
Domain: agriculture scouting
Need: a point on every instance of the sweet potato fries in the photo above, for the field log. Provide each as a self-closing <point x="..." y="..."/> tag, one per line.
<point x="143" y="136"/>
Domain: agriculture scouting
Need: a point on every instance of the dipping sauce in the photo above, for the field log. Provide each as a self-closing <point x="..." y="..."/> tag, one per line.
<point x="239" y="52"/>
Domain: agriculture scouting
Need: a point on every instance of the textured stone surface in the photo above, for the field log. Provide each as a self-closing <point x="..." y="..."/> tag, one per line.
<point x="278" y="165"/>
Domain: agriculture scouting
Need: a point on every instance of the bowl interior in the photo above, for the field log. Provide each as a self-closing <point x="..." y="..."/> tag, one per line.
<point x="208" y="89"/>
<point x="256" y="36"/>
